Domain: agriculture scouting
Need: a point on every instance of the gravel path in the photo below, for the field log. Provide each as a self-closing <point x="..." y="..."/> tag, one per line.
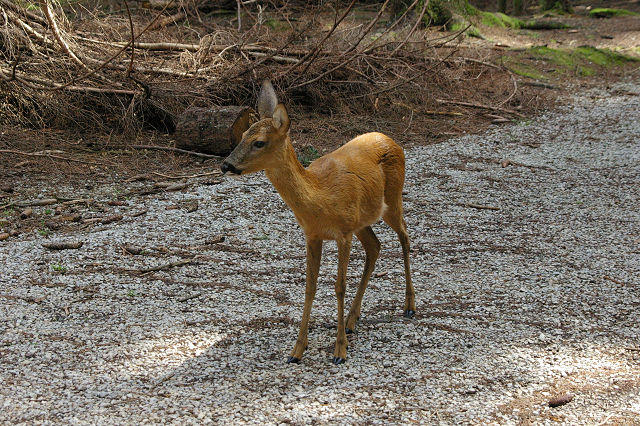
<point x="515" y="306"/>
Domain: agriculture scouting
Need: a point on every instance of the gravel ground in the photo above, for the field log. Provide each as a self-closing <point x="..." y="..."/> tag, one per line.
<point x="535" y="298"/>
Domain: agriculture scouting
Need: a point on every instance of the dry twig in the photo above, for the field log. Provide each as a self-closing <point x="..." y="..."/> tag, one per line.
<point x="172" y="149"/>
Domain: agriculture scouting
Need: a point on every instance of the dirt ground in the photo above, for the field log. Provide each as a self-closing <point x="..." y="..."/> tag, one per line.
<point x="183" y="301"/>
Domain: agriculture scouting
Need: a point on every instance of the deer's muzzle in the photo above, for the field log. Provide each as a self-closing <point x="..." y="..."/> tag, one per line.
<point x="228" y="167"/>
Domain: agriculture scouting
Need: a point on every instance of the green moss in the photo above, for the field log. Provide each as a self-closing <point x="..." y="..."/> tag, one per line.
<point x="556" y="56"/>
<point x="583" y="61"/>
<point x="585" y="71"/>
<point x="527" y="71"/>
<point x="28" y="5"/>
<point x="601" y="12"/>
<point x="523" y="69"/>
<point x="603" y="57"/>
<point x="500" y="20"/>
<point x="439" y="12"/>
<point x="472" y="31"/>
<point x="574" y="58"/>
<point x="276" y="25"/>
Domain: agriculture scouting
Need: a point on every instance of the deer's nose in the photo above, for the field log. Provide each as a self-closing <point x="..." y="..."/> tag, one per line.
<point x="228" y="167"/>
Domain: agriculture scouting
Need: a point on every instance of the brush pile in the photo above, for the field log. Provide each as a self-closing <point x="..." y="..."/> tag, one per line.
<point x="126" y="66"/>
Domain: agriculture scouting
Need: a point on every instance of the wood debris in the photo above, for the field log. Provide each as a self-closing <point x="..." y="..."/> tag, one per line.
<point x="131" y="249"/>
<point x="561" y="400"/>
<point x="63" y="245"/>
<point x="26" y="213"/>
<point x="480" y="206"/>
<point x="215" y="239"/>
<point x="111" y="219"/>
<point x="166" y="266"/>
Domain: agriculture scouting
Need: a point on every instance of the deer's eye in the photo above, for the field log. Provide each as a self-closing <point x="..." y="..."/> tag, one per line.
<point x="259" y="144"/>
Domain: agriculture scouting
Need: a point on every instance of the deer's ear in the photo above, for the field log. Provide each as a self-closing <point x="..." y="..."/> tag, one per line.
<point x="281" y="119"/>
<point x="267" y="100"/>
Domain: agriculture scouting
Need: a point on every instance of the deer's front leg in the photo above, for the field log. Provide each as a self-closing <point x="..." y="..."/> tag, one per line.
<point x="314" y="253"/>
<point x="344" y="248"/>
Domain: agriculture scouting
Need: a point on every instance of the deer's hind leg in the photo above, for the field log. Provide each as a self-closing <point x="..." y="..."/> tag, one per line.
<point x="371" y="246"/>
<point x="393" y="218"/>
<point x="344" y="248"/>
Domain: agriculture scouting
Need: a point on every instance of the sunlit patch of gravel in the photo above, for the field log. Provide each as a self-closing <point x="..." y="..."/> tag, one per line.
<point x="515" y="306"/>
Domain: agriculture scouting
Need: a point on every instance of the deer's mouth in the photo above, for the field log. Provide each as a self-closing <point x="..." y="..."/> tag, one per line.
<point x="228" y="167"/>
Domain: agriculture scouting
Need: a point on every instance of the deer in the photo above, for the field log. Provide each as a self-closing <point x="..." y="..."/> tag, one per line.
<point x="338" y="195"/>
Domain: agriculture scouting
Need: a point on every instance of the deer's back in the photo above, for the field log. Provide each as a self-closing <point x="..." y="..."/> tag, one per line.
<point x="351" y="181"/>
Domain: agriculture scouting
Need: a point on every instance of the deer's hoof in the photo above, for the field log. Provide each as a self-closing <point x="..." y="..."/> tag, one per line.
<point x="337" y="360"/>
<point x="348" y="330"/>
<point x="409" y="313"/>
<point x="293" y="360"/>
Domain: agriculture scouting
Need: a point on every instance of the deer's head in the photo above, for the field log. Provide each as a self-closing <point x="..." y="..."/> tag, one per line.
<point x="263" y="144"/>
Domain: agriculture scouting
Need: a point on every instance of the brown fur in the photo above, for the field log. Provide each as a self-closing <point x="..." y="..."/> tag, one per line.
<point x="338" y="195"/>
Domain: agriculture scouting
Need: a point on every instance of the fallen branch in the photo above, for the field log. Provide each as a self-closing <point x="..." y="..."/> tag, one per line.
<point x="22" y="10"/>
<point x="42" y="202"/>
<point x="539" y="84"/>
<point x="28" y="29"/>
<point x="131" y="249"/>
<point x="413" y="29"/>
<point x="560" y="400"/>
<point x="428" y="111"/>
<point x="349" y="50"/>
<point x="30" y="299"/>
<point x="177" y="186"/>
<point x="111" y="219"/>
<point x="62" y="245"/>
<point x="407" y="80"/>
<point x="276" y="58"/>
<point x="45" y="84"/>
<point x="313" y="53"/>
<point x="192" y="296"/>
<point x="216" y="173"/>
<point x="56" y="157"/>
<point x="481" y="106"/>
<point x="160" y="23"/>
<point x="182" y="151"/>
<point x="57" y="34"/>
<point x="480" y="206"/>
<point x="607" y="277"/>
<point x="110" y="59"/>
<point x="166" y="266"/>
<point x="78" y="201"/>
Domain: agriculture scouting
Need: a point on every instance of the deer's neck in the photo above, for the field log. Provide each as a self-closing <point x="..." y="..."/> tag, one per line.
<point x="293" y="182"/>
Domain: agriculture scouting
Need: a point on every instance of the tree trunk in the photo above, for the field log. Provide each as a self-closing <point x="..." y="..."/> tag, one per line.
<point x="517" y="7"/>
<point x="564" y="5"/>
<point x="215" y="130"/>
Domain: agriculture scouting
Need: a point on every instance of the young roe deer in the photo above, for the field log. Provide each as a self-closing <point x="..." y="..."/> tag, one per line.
<point x="338" y="195"/>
